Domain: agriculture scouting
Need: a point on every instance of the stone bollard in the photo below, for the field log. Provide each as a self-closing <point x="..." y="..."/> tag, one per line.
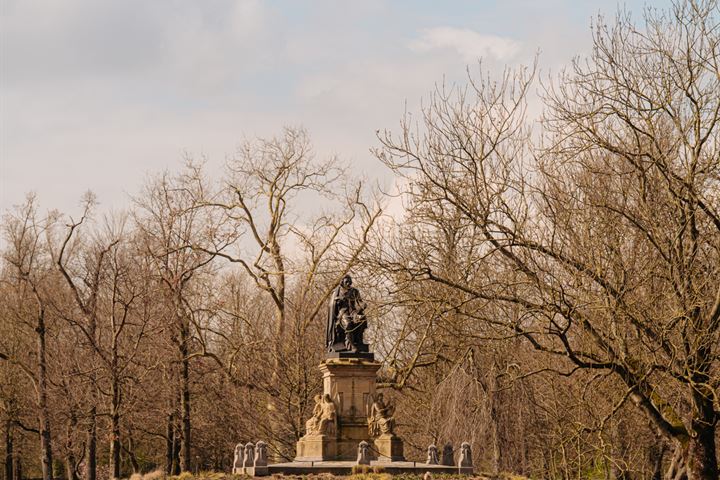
<point x="239" y="456"/>
<point x="432" y="457"/>
<point x="447" y="456"/>
<point x="465" y="463"/>
<point x="249" y="456"/>
<point x="260" y="465"/>
<point x="363" y="453"/>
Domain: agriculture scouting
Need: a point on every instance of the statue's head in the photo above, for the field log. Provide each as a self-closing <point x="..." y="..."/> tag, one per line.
<point x="346" y="282"/>
<point x="327" y="398"/>
<point x="379" y="397"/>
<point x="239" y="448"/>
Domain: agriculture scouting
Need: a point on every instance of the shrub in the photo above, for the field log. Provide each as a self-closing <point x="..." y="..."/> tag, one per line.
<point x="154" y="475"/>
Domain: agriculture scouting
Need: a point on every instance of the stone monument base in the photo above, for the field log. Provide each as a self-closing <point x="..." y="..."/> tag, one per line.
<point x="346" y="468"/>
<point x="349" y="380"/>
<point x="316" y="448"/>
<point x="389" y="448"/>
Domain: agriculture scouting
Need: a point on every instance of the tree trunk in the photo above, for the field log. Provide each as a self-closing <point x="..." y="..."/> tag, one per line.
<point x="169" y="444"/>
<point x="44" y="413"/>
<point x="18" y="468"/>
<point x="656" y="455"/>
<point x="115" y="445"/>
<point x="70" y="461"/>
<point x="702" y="462"/>
<point x="176" y="452"/>
<point x="8" y="449"/>
<point x="677" y="469"/>
<point x="131" y="454"/>
<point x="494" y="422"/>
<point x="619" y="464"/>
<point x="70" y="467"/>
<point x="185" y="460"/>
<point x="91" y="455"/>
<point x="701" y="458"/>
<point x="115" y="431"/>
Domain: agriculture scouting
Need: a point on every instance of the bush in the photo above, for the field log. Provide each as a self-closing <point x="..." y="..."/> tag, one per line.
<point x="154" y="475"/>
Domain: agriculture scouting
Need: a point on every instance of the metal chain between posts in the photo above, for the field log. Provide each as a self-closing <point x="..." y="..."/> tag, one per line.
<point x="377" y="452"/>
<point x="372" y="449"/>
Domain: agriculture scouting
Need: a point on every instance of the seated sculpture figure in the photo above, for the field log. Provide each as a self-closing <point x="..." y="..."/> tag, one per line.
<point x="381" y="420"/>
<point x="312" y="426"/>
<point x="324" y="419"/>
<point x="328" y="417"/>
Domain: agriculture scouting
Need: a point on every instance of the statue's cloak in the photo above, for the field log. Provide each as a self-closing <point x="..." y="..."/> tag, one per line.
<point x="330" y="339"/>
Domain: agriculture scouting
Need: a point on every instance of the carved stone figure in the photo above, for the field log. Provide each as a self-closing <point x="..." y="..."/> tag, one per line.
<point x="381" y="420"/>
<point x="346" y="319"/>
<point x="260" y="454"/>
<point x="249" y="455"/>
<point x="312" y="426"/>
<point x="238" y="458"/>
<point x="363" y="453"/>
<point x="447" y="455"/>
<point x="328" y="416"/>
<point x="432" y="456"/>
<point x="465" y="456"/>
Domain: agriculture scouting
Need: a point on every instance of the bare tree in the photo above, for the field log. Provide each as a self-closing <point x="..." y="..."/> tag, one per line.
<point x="601" y="248"/>
<point x="85" y="286"/>
<point x="106" y="296"/>
<point x="294" y="260"/>
<point x="27" y="256"/>
<point x="169" y="222"/>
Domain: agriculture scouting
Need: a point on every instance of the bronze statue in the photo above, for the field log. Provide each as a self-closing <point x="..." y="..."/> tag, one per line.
<point x="346" y="319"/>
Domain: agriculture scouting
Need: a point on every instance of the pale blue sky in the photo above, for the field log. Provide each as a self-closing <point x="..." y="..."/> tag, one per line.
<point x="96" y="94"/>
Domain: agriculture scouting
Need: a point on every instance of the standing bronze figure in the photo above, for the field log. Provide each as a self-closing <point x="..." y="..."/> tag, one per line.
<point x="346" y="319"/>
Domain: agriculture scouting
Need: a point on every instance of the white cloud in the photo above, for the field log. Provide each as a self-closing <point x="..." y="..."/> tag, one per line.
<point x="96" y="94"/>
<point x="469" y="44"/>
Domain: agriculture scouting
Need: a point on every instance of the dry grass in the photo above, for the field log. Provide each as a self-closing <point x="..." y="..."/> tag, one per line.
<point x="154" y="475"/>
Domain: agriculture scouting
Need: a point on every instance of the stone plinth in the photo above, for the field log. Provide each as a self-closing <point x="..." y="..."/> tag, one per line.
<point x="351" y="384"/>
<point x="389" y="448"/>
<point x="315" y="448"/>
<point x="349" y="379"/>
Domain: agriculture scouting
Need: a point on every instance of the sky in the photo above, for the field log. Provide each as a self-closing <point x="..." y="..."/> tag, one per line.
<point x="98" y="95"/>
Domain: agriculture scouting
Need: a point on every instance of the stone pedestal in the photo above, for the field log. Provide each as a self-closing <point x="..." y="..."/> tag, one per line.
<point x="389" y="448"/>
<point x="316" y="448"/>
<point x="349" y="379"/>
